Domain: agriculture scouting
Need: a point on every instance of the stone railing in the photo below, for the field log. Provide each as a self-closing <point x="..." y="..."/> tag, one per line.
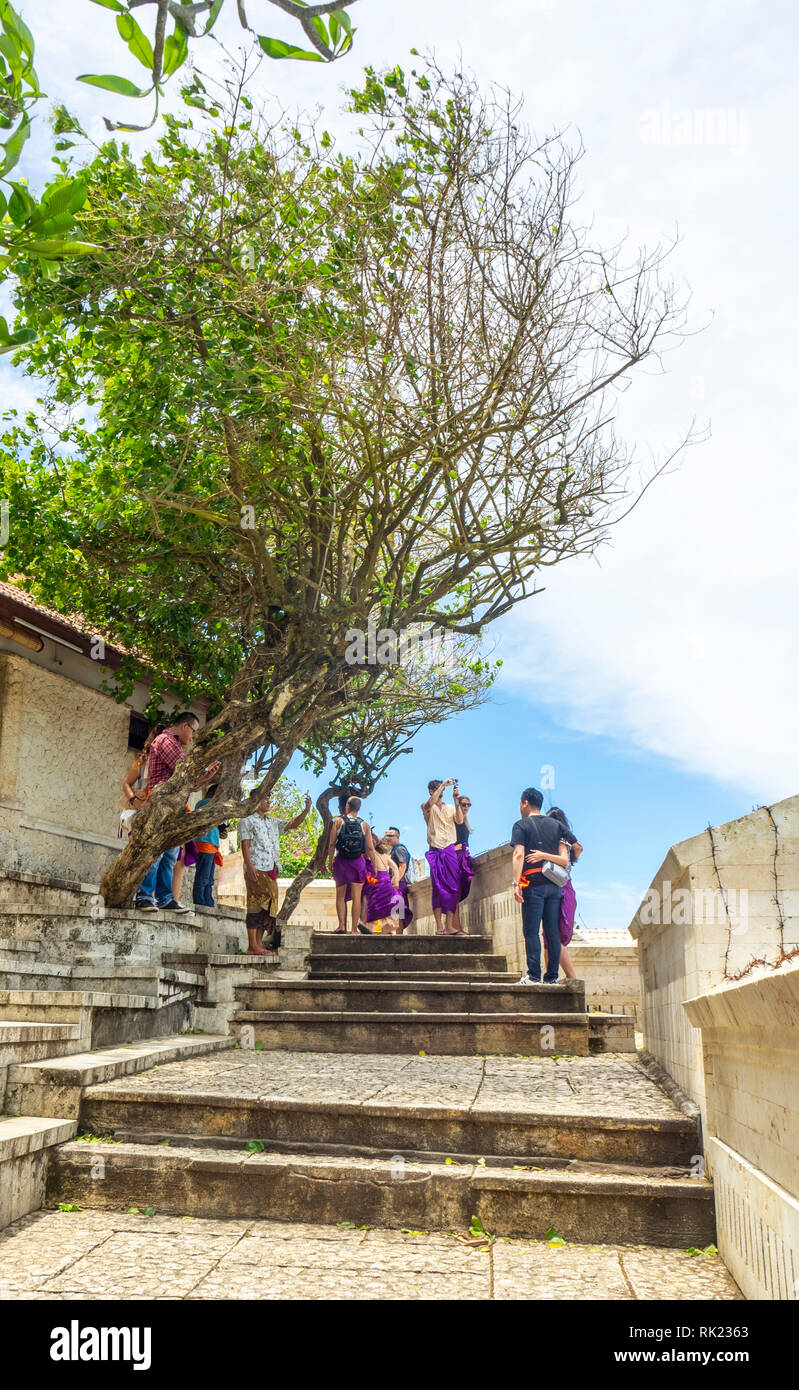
<point x="713" y="907"/>
<point x="750" y="1043"/>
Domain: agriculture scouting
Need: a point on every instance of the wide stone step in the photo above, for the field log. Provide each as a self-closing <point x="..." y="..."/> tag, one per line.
<point x="383" y="1129"/>
<point x="432" y="996"/>
<point x="24" y="1144"/>
<point x="590" y="1207"/>
<point x="335" y="964"/>
<point x="438" y="1034"/>
<point x="55" y="1086"/>
<point x="385" y="944"/>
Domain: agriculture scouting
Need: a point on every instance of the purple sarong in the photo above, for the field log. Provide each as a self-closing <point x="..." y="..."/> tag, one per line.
<point x="467" y="871"/>
<point x="568" y="910"/>
<point x="349" y="870"/>
<point x="382" y="898"/>
<point x="405" y="895"/>
<point x="445" y="871"/>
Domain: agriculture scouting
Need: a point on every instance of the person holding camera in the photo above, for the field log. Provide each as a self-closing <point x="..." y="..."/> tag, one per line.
<point x="445" y="863"/>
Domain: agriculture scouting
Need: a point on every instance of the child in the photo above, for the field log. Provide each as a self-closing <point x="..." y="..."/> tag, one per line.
<point x="208" y="856"/>
<point x="381" y="890"/>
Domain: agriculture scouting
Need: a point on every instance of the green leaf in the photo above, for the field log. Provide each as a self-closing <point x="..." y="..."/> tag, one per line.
<point x="276" y="48"/>
<point x="136" y="39"/>
<point x="110" y="5"/>
<point x="213" y="15"/>
<point x="254" y="1146"/>
<point x="15" y="25"/>
<point x="343" y="19"/>
<point x="64" y="197"/>
<point x="109" y="83"/>
<point x="21" y="205"/>
<point x="53" y="246"/>
<point x="13" y="146"/>
<point x="176" y="50"/>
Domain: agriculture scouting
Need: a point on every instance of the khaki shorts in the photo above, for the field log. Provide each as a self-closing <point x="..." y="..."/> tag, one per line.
<point x="262" y="895"/>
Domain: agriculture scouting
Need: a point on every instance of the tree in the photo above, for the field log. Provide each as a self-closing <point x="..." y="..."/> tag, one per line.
<point x="332" y="389"/>
<point x="358" y="751"/>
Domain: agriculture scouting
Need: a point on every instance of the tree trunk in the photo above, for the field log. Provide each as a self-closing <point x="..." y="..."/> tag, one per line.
<point x="304" y="877"/>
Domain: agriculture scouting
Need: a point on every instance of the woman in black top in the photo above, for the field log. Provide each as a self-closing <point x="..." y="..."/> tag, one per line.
<point x="462" y="833"/>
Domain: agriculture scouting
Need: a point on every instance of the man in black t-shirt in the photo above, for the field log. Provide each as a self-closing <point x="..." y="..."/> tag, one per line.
<point x="539" y="838"/>
<point x="401" y="856"/>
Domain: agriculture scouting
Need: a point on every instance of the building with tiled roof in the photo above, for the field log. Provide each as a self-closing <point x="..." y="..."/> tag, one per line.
<point x="65" y="742"/>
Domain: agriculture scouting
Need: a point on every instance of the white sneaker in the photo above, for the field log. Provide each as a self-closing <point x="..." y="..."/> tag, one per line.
<point x="525" y="980"/>
<point x="550" y="984"/>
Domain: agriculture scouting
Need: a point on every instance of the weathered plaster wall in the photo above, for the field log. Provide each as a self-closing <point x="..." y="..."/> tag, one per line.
<point x="63" y="754"/>
<point x="697" y="946"/>
<point x="750" y="1050"/>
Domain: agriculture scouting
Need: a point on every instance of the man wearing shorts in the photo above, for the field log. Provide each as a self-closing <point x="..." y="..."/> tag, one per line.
<point x="259" y="835"/>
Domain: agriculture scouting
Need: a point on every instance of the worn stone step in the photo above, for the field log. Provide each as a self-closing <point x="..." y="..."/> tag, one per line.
<point x="410" y="977"/>
<point x="452" y="1034"/>
<point x="55" y="1086"/>
<point x="13" y="1032"/>
<point x="25" y="1142"/>
<point x="590" y="1207"/>
<point x="432" y="996"/>
<point x="387" y="1128"/>
<point x="383" y="944"/>
<point x="23" y="1041"/>
<point x="334" y="964"/>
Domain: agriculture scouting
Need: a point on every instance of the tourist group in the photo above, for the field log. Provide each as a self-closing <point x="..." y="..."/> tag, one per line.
<point x="371" y="872"/>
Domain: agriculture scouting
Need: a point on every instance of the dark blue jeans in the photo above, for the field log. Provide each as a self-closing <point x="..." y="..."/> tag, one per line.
<point x="158" y="879"/>
<point x="204" y="880"/>
<point x="541" y="904"/>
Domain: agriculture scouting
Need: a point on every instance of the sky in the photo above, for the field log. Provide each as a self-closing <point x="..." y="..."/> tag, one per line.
<point x="655" y="683"/>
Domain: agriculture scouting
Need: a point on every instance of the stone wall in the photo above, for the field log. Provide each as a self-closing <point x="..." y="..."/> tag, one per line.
<point x="750" y="1050"/>
<point x="63" y="755"/>
<point x="752" y="866"/>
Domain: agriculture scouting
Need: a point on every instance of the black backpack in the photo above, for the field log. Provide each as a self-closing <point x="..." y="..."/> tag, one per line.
<point x="350" y="841"/>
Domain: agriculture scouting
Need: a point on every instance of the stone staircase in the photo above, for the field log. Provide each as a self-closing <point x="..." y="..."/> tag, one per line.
<point x="405" y="1083"/>
<point x="446" y="996"/>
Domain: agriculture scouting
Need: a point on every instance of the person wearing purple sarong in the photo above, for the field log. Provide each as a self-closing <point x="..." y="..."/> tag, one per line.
<point x="350" y="841"/>
<point x="462" y="833"/>
<point x="568" y="901"/>
<point x="445" y="865"/>
<point x="402" y="858"/>
<point x="383" y="899"/>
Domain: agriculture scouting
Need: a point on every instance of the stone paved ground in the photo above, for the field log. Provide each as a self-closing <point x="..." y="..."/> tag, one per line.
<point x="96" y="1255"/>
<point x="610" y="1085"/>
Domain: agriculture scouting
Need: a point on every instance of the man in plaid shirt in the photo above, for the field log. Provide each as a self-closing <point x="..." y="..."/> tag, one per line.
<point x="166" y="751"/>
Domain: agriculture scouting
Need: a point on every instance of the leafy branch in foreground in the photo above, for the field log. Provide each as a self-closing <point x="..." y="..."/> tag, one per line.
<point x="31" y="232"/>
<point x="328" y="27"/>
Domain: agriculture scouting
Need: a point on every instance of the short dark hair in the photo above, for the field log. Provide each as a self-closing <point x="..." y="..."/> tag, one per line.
<point x="395" y="827"/>
<point x="533" y="797"/>
<point x="185" y="716"/>
<point x="353" y="803"/>
<point x="436" y="782"/>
